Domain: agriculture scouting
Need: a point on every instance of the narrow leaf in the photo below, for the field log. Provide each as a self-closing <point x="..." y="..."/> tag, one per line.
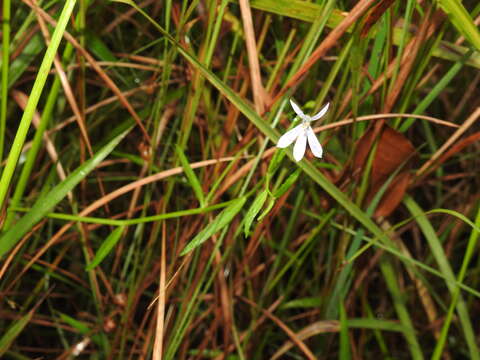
<point x="287" y="184"/>
<point x="267" y="209"/>
<point x="13" y="331"/>
<point x="222" y="220"/>
<point x="344" y="339"/>
<point x="254" y="210"/>
<point x="192" y="178"/>
<point x="275" y="162"/>
<point x="106" y="247"/>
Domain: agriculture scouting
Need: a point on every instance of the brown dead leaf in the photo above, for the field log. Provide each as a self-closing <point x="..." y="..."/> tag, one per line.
<point x="394" y="194"/>
<point x="393" y="150"/>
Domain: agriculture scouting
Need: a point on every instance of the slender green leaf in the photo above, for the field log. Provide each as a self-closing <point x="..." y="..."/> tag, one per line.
<point x="399" y="303"/>
<point x="282" y="189"/>
<point x="106" y="247"/>
<point x="344" y="340"/>
<point x="254" y="210"/>
<point x="267" y="209"/>
<point x="222" y="220"/>
<point x="13" y="331"/>
<point x="192" y="178"/>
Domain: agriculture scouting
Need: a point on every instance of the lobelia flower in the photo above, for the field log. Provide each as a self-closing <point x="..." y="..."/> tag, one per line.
<point x="301" y="133"/>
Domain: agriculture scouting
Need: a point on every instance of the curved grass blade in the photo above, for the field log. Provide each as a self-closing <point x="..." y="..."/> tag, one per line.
<point x="254" y="210"/>
<point x="13" y="331"/>
<point x="222" y="220"/>
<point x="191" y="177"/>
<point x="46" y="203"/>
<point x="106" y="247"/>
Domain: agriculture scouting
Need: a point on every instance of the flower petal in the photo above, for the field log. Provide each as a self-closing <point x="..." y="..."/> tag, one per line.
<point x="300" y="146"/>
<point x="297" y="110"/>
<point x="289" y="137"/>
<point x="321" y="112"/>
<point x="314" y="143"/>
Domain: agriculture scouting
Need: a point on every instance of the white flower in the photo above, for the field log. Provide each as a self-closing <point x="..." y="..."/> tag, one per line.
<point x="301" y="133"/>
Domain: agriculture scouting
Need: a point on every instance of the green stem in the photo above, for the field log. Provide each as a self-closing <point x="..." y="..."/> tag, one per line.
<point x="5" y="68"/>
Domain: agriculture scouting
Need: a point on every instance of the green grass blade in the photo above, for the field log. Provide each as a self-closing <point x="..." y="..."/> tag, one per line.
<point x="344" y="340"/>
<point x="222" y="220"/>
<point x="106" y="247"/>
<point x="33" y="99"/>
<point x="282" y="189"/>
<point x="6" y="14"/>
<point x="13" y="331"/>
<point x="400" y="308"/>
<point x="192" y="178"/>
<point x="46" y="203"/>
<point x="254" y="210"/>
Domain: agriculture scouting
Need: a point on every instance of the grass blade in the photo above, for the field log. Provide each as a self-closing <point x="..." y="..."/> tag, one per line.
<point x="13" y="331"/>
<point x="106" y="247"/>
<point x="222" y="220"/>
<point x="254" y="210"/>
<point x="192" y="178"/>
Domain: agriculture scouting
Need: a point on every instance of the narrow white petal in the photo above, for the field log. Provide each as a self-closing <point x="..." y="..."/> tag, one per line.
<point x="297" y="109"/>
<point x="314" y="143"/>
<point x="300" y="146"/>
<point x="321" y="112"/>
<point x="289" y="137"/>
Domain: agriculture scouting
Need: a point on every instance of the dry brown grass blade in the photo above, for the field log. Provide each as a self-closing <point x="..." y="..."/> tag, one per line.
<point x="375" y="14"/>
<point x="256" y="78"/>
<point x="319" y="327"/>
<point x="384" y="116"/>
<point x="460" y="131"/>
<point x="295" y="338"/>
<point x="453" y="150"/>
<point x="108" y="81"/>
<point x="358" y="10"/>
<point x="112" y="64"/>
